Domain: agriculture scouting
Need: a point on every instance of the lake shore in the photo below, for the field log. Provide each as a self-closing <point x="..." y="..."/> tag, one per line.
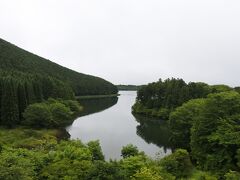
<point x="97" y="96"/>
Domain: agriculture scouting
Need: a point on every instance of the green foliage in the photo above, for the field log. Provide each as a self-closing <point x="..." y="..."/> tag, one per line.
<point x="232" y="175"/>
<point x="132" y="165"/>
<point x="73" y="105"/>
<point x="211" y="127"/>
<point x="9" y="104"/>
<point x="96" y="150"/>
<point x="106" y="170"/>
<point x="181" y="120"/>
<point x="220" y="88"/>
<point x="28" y="138"/>
<point x="38" y="115"/>
<point x="215" y="135"/>
<point x="202" y="175"/>
<point x="61" y="113"/>
<point x="129" y="150"/>
<point x="17" y="91"/>
<point x="36" y="154"/>
<point x="178" y="163"/>
<point x="160" y="98"/>
<point x="15" y="59"/>
<point x="51" y="113"/>
<point x="27" y="79"/>
<point x="203" y="119"/>
<point x="146" y="174"/>
<point x="20" y="164"/>
<point x="238" y="157"/>
<point x="128" y="87"/>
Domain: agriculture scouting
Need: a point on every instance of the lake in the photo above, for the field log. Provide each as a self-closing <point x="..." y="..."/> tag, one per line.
<point x="110" y="121"/>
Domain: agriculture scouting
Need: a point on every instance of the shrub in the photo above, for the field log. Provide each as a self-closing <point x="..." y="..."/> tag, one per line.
<point x="51" y="113"/>
<point x="145" y="174"/>
<point x="178" y="163"/>
<point x="61" y="114"/>
<point x="129" y="150"/>
<point x="232" y="175"/>
<point x="73" y="105"/>
<point x="38" y="115"/>
<point x="96" y="150"/>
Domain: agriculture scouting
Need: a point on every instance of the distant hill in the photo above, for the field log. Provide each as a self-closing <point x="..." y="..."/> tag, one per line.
<point x="128" y="87"/>
<point x="15" y="59"/>
<point x="26" y="79"/>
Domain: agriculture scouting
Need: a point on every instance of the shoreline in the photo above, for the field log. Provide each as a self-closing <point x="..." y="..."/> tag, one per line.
<point x="97" y="96"/>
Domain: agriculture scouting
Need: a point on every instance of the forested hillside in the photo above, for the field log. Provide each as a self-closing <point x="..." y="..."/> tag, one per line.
<point x="27" y="79"/>
<point x="14" y="59"/>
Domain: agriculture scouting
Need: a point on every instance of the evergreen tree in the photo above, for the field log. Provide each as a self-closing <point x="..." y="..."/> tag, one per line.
<point x="9" y="104"/>
<point x="22" y="99"/>
<point x="31" y="98"/>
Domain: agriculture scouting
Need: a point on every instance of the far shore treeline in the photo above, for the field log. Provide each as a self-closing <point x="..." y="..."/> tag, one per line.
<point x="128" y="87"/>
<point x="203" y="119"/>
<point x="159" y="99"/>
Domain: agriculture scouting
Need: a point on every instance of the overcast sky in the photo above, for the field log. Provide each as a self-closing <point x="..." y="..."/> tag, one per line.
<point x="131" y="41"/>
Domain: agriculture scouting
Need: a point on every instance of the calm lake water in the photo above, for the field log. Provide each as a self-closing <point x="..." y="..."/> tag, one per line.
<point x="110" y="121"/>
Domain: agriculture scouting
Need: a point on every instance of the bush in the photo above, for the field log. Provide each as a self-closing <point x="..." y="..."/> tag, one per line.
<point x="145" y="174"/>
<point x="73" y="105"/>
<point x="51" y="113"/>
<point x="181" y="121"/>
<point x="178" y="163"/>
<point x="96" y="150"/>
<point x="131" y="165"/>
<point x="129" y="150"/>
<point x="38" y="115"/>
<point x="61" y="114"/>
<point x="232" y="175"/>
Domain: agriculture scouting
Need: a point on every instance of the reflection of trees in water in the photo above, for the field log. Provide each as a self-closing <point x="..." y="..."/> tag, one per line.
<point x="92" y="106"/>
<point x="153" y="131"/>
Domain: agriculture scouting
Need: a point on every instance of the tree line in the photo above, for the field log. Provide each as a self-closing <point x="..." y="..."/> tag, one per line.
<point x="13" y="58"/>
<point x="203" y="119"/>
<point x="19" y="90"/>
<point x="162" y="97"/>
<point x="209" y="129"/>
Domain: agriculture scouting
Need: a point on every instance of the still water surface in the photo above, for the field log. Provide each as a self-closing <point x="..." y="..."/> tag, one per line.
<point x="110" y="121"/>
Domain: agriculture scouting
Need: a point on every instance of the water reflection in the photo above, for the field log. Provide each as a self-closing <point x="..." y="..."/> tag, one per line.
<point x="92" y="106"/>
<point x="153" y="131"/>
<point x="116" y="127"/>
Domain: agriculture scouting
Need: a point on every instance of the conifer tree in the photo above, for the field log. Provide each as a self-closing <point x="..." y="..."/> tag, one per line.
<point x="9" y="113"/>
<point x="22" y="99"/>
<point x="30" y="93"/>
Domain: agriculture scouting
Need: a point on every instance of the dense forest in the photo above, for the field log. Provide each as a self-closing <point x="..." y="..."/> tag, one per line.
<point x="26" y="79"/>
<point x="203" y="119"/>
<point x="160" y="98"/>
<point x="15" y="60"/>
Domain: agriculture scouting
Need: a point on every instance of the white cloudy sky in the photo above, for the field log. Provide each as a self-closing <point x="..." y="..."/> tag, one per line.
<point x="131" y="41"/>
